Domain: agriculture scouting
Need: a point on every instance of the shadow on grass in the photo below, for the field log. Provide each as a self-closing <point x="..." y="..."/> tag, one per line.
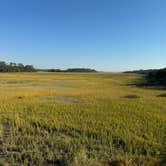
<point x="162" y="95"/>
<point x="144" y="83"/>
<point x="132" y="96"/>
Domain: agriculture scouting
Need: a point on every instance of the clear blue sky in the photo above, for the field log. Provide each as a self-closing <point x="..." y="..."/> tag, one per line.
<point x="109" y="35"/>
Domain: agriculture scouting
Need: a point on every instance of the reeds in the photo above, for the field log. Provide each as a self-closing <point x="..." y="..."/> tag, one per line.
<point x="80" y="119"/>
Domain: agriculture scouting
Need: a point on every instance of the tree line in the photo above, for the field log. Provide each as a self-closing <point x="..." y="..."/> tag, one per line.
<point x="153" y="77"/>
<point x="68" y="70"/>
<point x="14" y="67"/>
<point x="141" y="71"/>
<point x="157" y="77"/>
<point x="19" y="67"/>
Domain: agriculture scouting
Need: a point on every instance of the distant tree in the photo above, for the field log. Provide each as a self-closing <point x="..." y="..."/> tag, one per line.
<point x="157" y="77"/>
<point x="54" y="70"/>
<point x="13" y="67"/>
<point x="12" y="64"/>
<point x="80" y="70"/>
<point x="29" y="68"/>
<point x="68" y="70"/>
<point x="2" y="63"/>
<point x="21" y="67"/>
<point x="153" y="77"/>
<point x="3" y="66"/>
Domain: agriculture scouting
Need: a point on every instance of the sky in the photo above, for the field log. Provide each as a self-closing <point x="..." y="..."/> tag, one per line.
<point x="107" y="35"/>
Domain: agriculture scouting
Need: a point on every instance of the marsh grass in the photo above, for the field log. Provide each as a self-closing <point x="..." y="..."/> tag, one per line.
<point x="80" y="119"/>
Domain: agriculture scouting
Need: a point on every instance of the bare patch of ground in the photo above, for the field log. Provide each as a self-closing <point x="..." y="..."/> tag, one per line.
<point x="64" y="99"/>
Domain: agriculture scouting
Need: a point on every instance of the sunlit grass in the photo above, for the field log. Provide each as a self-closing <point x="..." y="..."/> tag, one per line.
<point x="69" y="119"/>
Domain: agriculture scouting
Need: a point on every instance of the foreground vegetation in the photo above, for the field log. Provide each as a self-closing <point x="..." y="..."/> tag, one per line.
<point x="80" y="119"/>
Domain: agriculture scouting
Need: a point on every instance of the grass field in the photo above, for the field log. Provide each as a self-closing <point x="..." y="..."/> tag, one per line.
<point x="75" y="119"/>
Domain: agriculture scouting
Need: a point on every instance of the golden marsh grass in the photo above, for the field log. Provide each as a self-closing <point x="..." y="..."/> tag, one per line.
<point x="80" y="119"/>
